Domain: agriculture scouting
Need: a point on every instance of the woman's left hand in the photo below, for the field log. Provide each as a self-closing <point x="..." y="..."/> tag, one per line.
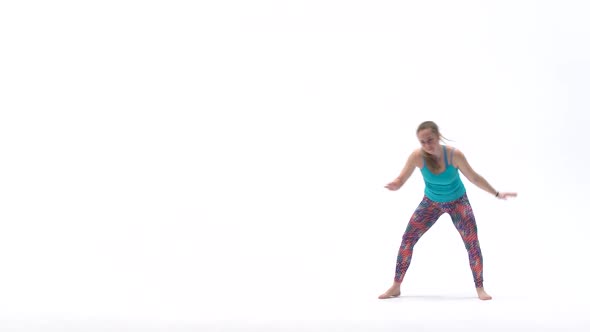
<point x="504" y="195"/>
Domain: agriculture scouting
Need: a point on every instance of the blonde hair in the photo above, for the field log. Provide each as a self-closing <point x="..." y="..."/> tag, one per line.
<point x="430" y="161"/>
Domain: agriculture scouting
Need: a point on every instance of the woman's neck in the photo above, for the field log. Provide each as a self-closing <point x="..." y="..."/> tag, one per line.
<point x="438" y="153"/>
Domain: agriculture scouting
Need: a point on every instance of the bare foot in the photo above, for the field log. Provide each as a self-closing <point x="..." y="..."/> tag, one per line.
<point x="393" y="291"/>
<point x="481" y="293"/>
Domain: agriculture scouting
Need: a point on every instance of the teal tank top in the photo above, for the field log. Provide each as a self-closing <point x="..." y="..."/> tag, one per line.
<point x="446" y="186"/>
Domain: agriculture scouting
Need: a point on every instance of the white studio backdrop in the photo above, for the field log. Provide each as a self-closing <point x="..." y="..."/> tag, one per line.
<point x="226" y="159"/>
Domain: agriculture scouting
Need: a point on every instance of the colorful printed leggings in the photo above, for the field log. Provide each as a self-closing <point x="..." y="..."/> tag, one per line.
<point x="426" y="214"/>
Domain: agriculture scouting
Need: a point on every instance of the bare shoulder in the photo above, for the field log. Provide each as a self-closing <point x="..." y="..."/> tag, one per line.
<point x="458" y="152"/>
<point x="458" y="156"/>
<point x="460" y="161"/>
<point x="416" y="158"/>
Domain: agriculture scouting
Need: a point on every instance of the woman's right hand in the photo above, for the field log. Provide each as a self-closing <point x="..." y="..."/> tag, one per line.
<point x="394" y="185"/>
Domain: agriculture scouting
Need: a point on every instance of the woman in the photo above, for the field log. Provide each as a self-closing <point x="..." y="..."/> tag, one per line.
<point x="444" y="193"/>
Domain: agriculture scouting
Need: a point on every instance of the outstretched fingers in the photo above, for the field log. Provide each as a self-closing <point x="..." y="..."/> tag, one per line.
<point x="505" y="195"/>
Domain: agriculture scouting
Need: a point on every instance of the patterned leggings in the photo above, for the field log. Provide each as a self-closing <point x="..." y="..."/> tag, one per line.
<point x="426" y="214"/>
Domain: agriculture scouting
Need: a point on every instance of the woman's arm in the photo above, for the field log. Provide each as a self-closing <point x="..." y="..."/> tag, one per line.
<point x="475" y="178"/>
<point x="405" y="173"/>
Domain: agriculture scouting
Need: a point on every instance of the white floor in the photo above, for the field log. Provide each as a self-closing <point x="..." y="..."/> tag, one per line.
<point x="411" y="312"/>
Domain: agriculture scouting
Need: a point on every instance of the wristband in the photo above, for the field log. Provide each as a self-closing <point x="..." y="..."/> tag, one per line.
<point x="497" y="193"/>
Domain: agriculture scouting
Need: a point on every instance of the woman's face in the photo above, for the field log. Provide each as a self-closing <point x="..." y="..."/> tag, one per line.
<point x="428" y="140"/>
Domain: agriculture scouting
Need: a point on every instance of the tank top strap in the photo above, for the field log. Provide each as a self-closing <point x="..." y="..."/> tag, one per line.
<point x="445" y="154"/>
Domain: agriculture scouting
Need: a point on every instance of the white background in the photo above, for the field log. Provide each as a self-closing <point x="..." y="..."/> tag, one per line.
<point x="171" y="163"/>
